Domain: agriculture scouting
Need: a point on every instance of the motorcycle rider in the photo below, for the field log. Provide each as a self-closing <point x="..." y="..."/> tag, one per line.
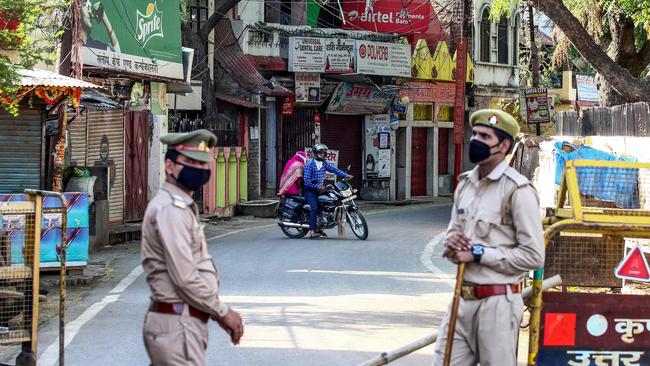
<point x="313" y="178"/>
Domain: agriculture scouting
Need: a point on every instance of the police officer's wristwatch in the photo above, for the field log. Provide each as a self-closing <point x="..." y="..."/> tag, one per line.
<point x="477" y="251"/>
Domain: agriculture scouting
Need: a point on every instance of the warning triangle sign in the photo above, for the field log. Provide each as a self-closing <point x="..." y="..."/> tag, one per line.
<point x="634" y="266"/>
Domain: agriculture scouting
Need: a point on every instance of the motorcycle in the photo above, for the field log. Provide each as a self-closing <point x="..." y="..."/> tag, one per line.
<point x="336" y="205"/>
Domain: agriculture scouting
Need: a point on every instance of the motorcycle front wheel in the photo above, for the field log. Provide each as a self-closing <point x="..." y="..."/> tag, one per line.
<point x="358" y="224"/>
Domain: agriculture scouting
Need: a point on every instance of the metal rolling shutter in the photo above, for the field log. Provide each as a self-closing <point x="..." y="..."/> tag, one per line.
<point x="108" y="126"/>
<point x="20" y="151"/>
<point x="343" y="133"/>
<point x="77" y="133"/>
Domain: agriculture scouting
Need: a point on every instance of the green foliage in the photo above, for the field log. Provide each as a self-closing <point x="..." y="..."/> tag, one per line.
<point x="185" y="10"/>
<point x="500" y="8"/>
<point x="40" y="25"/>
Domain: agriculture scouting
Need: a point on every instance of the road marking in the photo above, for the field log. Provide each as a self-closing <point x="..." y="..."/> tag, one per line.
<point x="128" y="280"/>
<point x="427" y="257"/>
<point x="239" y="231"/>
<point x="51" y="355"/>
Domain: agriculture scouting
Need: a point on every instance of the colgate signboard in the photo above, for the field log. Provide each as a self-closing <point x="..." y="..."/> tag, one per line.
<point x="387" y="16"/>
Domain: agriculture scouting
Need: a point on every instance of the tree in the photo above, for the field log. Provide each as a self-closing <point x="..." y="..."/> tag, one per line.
<point x="199" y="42"/>
<point x="611" y="35"/>
<point x="29" y="33"/>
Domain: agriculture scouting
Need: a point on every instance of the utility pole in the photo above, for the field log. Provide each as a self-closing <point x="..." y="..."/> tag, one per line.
<point x="461" y="77"/>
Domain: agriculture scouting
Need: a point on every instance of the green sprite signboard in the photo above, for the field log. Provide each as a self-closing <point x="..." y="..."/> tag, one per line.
<point x="136" y="36"/>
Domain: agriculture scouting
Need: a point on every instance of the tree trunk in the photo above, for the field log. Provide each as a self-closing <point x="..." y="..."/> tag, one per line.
<point x="622" y="50"/>
<point x="534" y="54"/>
<point x="200" y="70"/>
<point x="631" y="88"/>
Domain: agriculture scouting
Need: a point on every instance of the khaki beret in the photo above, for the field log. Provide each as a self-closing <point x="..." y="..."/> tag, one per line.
<point x="195" y="145"/>
<point x="496" y="119"/>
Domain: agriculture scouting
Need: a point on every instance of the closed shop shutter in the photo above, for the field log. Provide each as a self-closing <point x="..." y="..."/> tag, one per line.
<point x="296" y="132"/>
<point x="20" y="151"/>
<point x="343" y="133"/>
<point x="77" y="133"/>
<point x="105" y="146"/>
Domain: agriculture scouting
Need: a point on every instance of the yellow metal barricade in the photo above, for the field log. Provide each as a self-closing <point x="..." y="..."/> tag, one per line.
<point x="603" y="207"/>
<point x="20" y="235"/>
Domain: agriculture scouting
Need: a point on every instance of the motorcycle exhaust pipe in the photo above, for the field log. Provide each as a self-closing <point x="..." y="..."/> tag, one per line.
<point x="293" y="225"/>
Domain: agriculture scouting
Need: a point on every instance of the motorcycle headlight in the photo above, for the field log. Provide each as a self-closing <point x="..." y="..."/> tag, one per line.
<point x="346" y="193"/>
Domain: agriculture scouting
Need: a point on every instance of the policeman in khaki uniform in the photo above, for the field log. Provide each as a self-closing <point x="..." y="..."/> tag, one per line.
<point x="183" y="281"/>
<point x="496" y="229"/>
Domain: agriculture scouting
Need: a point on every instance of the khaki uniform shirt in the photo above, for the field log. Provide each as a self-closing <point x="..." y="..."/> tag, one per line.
<point x="175" y="256"/>
<point x="501" y="212"/>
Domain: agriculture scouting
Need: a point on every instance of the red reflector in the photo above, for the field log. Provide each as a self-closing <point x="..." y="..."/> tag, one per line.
<point x="559" y="329"/>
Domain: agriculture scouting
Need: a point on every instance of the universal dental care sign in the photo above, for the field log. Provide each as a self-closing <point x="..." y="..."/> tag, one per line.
<point x="136" y="36"/>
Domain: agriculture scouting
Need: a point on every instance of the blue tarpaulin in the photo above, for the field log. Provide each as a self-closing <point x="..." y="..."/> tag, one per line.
<point x="619" y="185"/>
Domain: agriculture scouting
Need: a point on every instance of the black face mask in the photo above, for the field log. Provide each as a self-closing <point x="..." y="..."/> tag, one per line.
<point x="479" y="151"/>
<point x="192" y="178"/>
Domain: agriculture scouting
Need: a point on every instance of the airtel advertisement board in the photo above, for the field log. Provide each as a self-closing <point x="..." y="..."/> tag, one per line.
<point x="387" y="16"/>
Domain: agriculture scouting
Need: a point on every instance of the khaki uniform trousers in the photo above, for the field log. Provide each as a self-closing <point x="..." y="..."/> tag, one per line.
<point x="486" y="332"/>
<point x="175" y="340"/>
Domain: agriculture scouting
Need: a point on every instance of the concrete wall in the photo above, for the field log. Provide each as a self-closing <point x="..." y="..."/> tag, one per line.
<point x="254" y="157"/>
<point x="156" y="162"/>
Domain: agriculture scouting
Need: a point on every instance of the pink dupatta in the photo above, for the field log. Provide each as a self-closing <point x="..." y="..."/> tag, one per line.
<point x="291" y="173"/>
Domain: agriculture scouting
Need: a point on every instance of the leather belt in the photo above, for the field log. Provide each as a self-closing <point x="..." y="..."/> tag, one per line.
<point x="476" y="292"/>
<point x="177" y="308"/>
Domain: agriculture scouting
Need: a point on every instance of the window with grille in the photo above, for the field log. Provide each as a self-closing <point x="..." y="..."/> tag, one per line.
<point x="502" y="41"/>
<point x="485" y="32"/>
<point x="198" y="13"/>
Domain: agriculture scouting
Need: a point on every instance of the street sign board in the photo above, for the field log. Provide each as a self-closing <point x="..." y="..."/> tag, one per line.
<point x="537" y="105"/>
<point x="594" y="329"/>
<point x="634" y="266"/>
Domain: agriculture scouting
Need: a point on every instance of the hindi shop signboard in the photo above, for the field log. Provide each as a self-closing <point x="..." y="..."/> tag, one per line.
<point x="583" y="329"/>
<point x="359" y="99"/>
<point x="386" y="59"/>
<point x="428" y="92"/>
<point x="387" y="16"/>
<point x="307" y="87"/>
<point x="306" y="54"/>
<point x="322" y="55"/>
<point x="137" y="36"/>
<point x="537" y="105"/>
<point x="587" y="90"/>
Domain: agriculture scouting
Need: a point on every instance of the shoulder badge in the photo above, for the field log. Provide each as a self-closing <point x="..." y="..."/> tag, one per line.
<point x="517" y="177"/>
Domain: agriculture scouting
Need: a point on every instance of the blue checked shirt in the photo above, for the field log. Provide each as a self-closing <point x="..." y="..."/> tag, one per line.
<point x="314" y="177"/>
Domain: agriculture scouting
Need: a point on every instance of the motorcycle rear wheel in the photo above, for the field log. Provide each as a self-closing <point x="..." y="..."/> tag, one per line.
<point x="295" y="233"/>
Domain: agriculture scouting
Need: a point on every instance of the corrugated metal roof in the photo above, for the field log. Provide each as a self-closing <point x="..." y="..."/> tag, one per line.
<point x="36" y="77"/>
<point x="242" y="67"/>
<point x="238" y="101"/>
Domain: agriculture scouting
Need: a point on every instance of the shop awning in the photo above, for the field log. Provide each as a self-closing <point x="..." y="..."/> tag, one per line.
<point x="36" y="77"/>
<point x="239" y="101"/>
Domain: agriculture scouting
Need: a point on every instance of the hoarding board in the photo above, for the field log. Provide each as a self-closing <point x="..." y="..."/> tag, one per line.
<point x="138" y="36"/>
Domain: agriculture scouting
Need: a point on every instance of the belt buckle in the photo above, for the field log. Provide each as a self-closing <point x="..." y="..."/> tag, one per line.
<point x="179" y="308"/>
<point x="468" y="293"/>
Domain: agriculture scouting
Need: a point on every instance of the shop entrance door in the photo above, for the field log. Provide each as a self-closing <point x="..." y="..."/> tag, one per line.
<point x="419" y="162"/>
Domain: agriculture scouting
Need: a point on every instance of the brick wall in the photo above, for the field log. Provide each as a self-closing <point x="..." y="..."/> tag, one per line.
<point x="253" y="158"/>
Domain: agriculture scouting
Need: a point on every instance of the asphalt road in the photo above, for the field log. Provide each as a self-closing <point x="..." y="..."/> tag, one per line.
<point x="304" y="302"/>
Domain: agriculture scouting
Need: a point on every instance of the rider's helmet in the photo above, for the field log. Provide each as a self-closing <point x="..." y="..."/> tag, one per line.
<point x="320" y="151"/>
